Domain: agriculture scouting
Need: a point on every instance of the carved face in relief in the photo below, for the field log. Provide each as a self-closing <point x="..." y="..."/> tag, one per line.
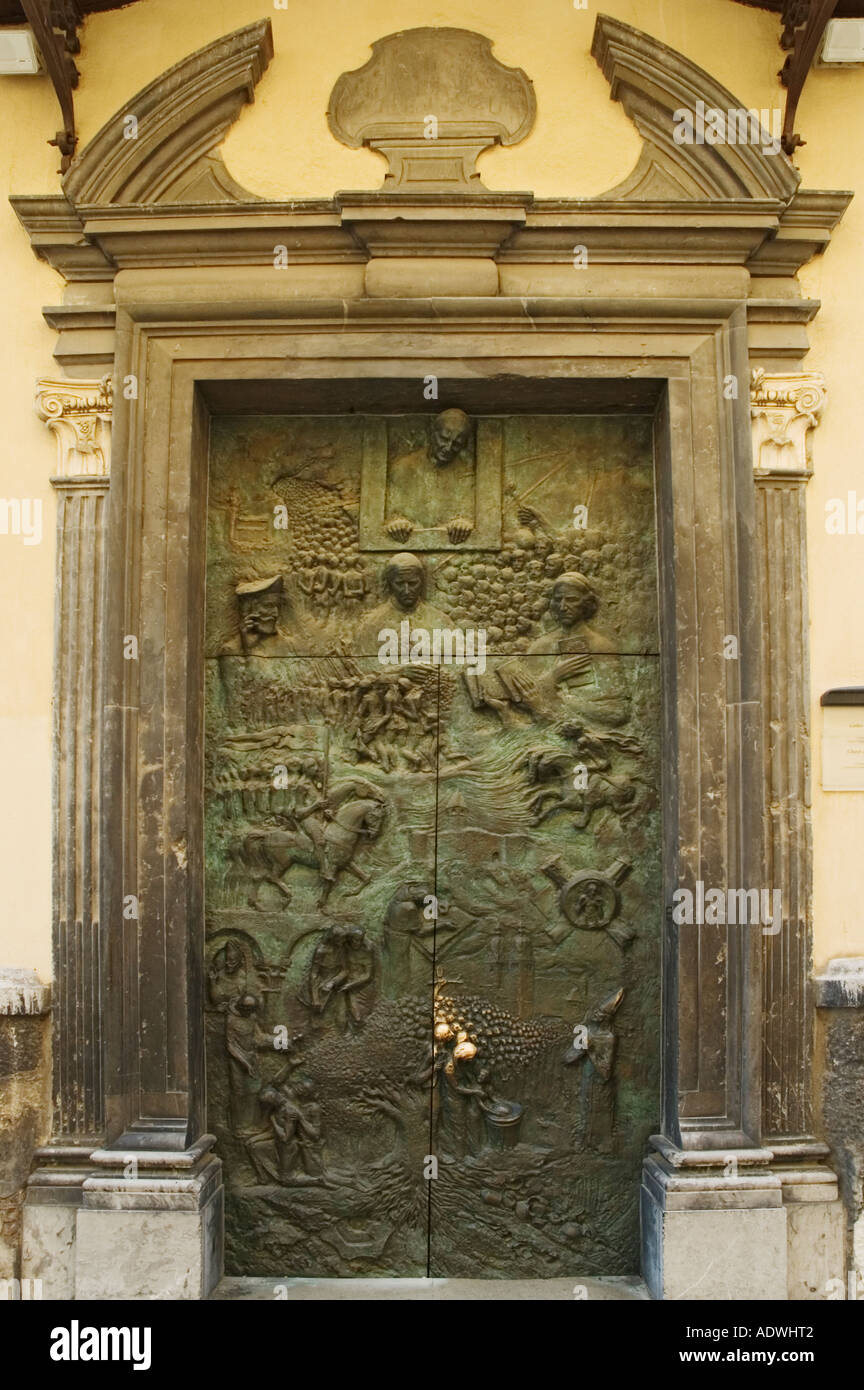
<point x="573" y="600"/>
<point x="259" y="617"/>
<point x="451" y="431"/>
<point x="404" y="580"/>
<point x="260" y="603"/>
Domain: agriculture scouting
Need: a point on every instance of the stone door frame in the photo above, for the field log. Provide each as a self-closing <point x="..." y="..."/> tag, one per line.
<point x="152" y="751"/>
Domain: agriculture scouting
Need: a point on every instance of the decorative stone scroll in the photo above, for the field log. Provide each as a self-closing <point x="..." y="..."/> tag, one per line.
<point x="430" y="101"/>
<point x="79" y="413"/>
<point x="783" y="410"/>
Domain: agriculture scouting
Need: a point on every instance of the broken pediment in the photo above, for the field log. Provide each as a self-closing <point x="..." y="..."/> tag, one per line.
<point x="659" y="89"/>
<point x="162" y="146"/>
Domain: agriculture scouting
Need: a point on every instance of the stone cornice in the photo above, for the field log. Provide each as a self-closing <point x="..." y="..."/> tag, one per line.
<point x="91" y="243"/>
<point x="79" y="413"/>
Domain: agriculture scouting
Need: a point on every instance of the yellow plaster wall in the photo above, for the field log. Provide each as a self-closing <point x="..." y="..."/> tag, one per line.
<point x="281" y="147"/>
<point x="27" y="458"/>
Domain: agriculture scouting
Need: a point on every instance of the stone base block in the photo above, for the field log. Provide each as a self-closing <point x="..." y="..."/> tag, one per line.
<point x="816" y="1235"/>
<point x="747" y="1224"/>
<point x="725" y="1254"/>
<point x="148" y="1254"/>
<point x="48" y="1246"/>
<point x="150" y="1237"/>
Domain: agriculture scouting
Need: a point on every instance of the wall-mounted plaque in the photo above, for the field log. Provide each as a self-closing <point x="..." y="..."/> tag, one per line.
<point x="843" y="740"/>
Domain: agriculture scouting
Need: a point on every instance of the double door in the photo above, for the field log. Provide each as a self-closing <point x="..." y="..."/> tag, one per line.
<point x="433" y="900"/>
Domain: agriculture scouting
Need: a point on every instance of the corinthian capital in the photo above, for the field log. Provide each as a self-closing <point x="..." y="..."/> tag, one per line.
<point x="784" y="408"/>
<point x="79" y="413"/>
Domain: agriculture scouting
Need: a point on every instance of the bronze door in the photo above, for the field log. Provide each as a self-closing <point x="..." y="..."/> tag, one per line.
<point x="432" y="841"/>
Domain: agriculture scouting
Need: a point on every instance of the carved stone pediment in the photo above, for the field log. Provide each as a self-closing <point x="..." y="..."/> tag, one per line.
<point x="432" y="231"/>
<point x="162" y="147"/>
<point x="430" y="101"/>
<point x="656" y="84"/>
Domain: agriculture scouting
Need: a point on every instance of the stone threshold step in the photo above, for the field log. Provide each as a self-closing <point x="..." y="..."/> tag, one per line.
<point x="617" y="1288"/>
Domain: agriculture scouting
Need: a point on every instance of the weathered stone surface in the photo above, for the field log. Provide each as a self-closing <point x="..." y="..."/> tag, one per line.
<point x="474" y="101"/>
<point x="842" y="1048"/>
<point x="784" y="411"/>
<point x="817" y="1249"/>
<point x="182" y="118"/>
<point x="841" y="985"/>
<point x="653" y="82"/>
<point x="48" y="1248"/>
<point x="737" y="1254"/>
<point x="22" y="993"/>
<point x="147" y="1254"/>
<point x="24" y="1099"/>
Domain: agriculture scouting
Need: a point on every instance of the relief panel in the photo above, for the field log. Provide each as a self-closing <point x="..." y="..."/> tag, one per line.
<point x="433" y="873"/>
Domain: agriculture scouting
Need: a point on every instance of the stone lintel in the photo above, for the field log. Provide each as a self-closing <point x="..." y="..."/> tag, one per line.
<point x="81" y="242"/>
<point x="90" y="244"/>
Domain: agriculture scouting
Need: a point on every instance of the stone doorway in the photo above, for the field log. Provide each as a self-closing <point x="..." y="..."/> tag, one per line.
<point x="356" y="302"/>
<point x="433" y="887"/>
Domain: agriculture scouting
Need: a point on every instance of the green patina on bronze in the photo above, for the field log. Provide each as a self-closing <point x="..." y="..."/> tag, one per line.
<point x="433" y="891"/>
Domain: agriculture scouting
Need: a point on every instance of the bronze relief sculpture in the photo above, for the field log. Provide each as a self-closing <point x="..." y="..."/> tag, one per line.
<point x="432" y="887"/>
